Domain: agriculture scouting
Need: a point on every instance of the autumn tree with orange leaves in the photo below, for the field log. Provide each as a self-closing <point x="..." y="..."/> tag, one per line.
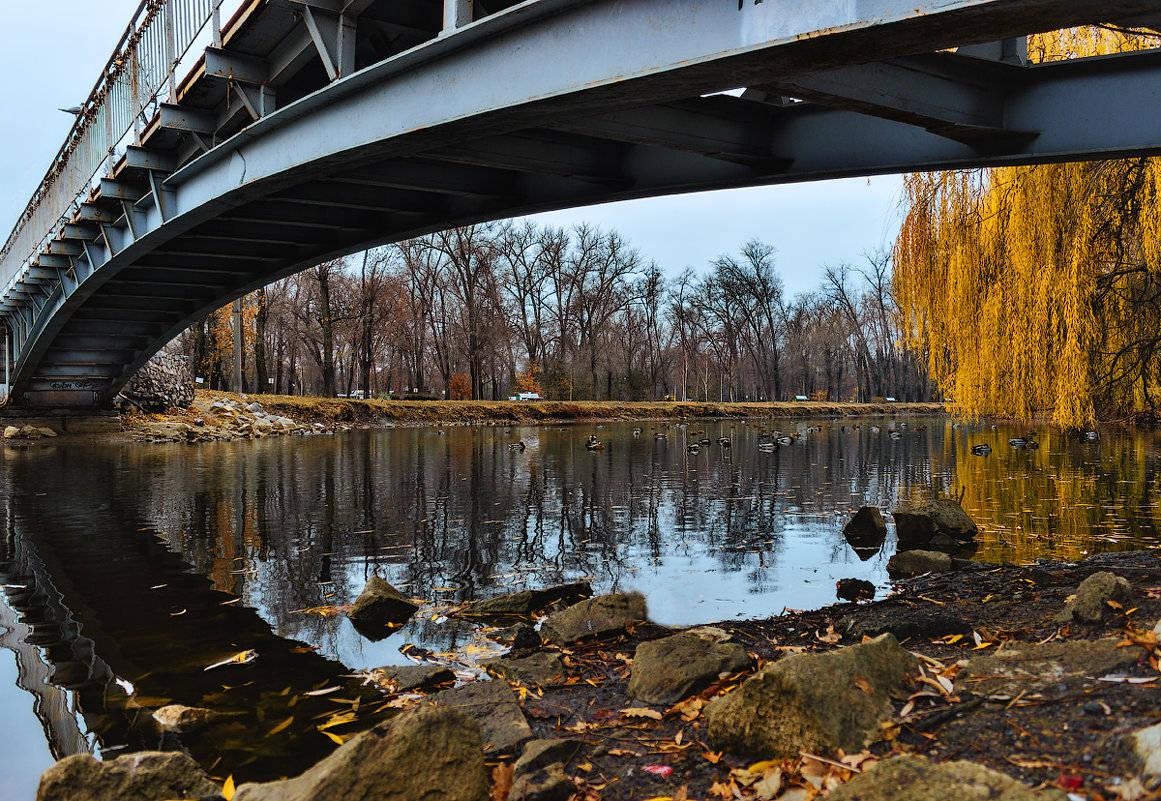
<point x="1037" y="290"/>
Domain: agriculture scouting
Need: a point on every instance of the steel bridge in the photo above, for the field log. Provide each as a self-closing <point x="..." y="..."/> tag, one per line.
<point x="212" y="158"/>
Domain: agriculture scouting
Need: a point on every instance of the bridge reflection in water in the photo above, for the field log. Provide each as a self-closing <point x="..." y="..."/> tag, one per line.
<point x="107" y="625"/>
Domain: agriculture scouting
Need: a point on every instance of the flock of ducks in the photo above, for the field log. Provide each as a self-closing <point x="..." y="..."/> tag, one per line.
<point x="772" y="441"/>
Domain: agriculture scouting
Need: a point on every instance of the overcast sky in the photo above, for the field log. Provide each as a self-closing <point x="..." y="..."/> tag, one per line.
<point x="51" y="52"/>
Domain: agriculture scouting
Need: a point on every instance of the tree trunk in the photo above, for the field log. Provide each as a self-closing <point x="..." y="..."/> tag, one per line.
<point x="261" y="376"/>
<point x="328" y="332"/>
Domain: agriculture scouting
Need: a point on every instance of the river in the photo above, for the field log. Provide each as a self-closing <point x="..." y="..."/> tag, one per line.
<point x="130" y="568"/>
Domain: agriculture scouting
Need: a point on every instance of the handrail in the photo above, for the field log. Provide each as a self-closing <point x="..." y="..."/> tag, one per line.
<point x="134" y="79"/>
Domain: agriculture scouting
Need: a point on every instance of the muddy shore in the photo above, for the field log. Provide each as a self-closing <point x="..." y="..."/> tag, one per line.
<point x="1003" y="683"/>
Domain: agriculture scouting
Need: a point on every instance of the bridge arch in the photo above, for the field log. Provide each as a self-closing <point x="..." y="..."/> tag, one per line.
<point x="547" y="104"/>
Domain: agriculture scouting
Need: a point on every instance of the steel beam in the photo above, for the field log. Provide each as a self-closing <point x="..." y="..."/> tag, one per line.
<point x="221" y="63"/>
<point x="188" y="120"/>
<point x="81" y="231"/>
<point x="955" y="96"/>
<point x="113" y="189"/>
<point x="142" y="159"/>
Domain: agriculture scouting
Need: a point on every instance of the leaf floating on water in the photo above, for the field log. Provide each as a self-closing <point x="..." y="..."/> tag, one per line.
<point x="304" y="649"/>
<point x="337" y="738"/>
<point x="228" y="788"/>
<point x="280" y="726"/>
<point x="240" y="658"/>
<point x="325" y="691"/>
<point x="155" y="586"/>
<point x="659" y="770"/>
<point x="176" y="614"/>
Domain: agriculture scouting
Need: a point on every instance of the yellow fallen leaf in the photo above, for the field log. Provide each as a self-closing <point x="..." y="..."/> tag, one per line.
<point x="240" y="658"/>
<point x="761" y="767"/>
<point x="280" y="727"/>
<point x="334" y="737"/>
<point x="641" y="712"/>
<point x="228" y="788"/>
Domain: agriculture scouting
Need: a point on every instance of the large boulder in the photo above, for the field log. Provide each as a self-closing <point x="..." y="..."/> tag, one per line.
<point x="915" y="563"/>
<point x="144" y="776"/>
<point x="603" y="616"/>
<point x="866" y="531"/>
<point x="813" y="702"/>
<point x="494" y="706"/>
<point x="1091" y="602"/>
<point x="909" y="778"/>
<point x="529" y="601"/>
<point x="425" y="753"/>
<point x="940" y="522"/>
<point x="665" y="671"/>
<point x="164" y="382"/>
<point x="379" y="606"/>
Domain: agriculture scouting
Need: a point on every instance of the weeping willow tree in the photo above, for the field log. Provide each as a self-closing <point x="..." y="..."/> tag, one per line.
<point x="1037" y="290"/>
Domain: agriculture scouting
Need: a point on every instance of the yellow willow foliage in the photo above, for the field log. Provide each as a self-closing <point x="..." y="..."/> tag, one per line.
<point x="1028" y="287"/>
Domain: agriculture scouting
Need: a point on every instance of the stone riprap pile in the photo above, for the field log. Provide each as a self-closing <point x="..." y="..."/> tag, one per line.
<point x="163" y="383"/>
<point x="225" y="418"/>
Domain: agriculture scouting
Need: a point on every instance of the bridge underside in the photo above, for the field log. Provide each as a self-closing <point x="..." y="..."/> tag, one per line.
<point x="283" y="152"/>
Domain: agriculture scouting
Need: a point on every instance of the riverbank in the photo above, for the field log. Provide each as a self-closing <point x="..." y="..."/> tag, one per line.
<point x="989" y="681"/>
<point x="225" y="415"/>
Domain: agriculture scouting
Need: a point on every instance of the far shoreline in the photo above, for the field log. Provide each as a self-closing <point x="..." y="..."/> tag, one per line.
<point x="385" y="413"/>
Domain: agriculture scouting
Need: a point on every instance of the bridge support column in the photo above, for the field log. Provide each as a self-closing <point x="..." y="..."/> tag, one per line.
<point x="456" y="14"/>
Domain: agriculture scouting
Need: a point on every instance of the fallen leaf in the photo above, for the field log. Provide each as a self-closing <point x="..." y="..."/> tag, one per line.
<point x="864" y="685"/>
<point x="502" y="777"/>
<point x="762" y="767"/>
<point x="712" y="757"/>
<point x="641" y="712"/>
<point x="324" y="691"/>
<point x="689" y="709"/>
<point x="280" y="727"/>
<point x="658" y="770"/>
<point x="240" y="658"/>
<point x="228" y="788"/>
<point x="767" y="788"/>
<point x="830" y="638"/>
<point x="623" y="752"/>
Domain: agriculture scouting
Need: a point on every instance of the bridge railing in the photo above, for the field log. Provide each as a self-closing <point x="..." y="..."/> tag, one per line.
<point x="139" y="75"/>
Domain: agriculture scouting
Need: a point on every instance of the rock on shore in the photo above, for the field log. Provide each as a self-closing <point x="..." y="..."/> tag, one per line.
<point x="813" y="702"/>
<point x="426" y="752"/>
<point x="144" y="776"/>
